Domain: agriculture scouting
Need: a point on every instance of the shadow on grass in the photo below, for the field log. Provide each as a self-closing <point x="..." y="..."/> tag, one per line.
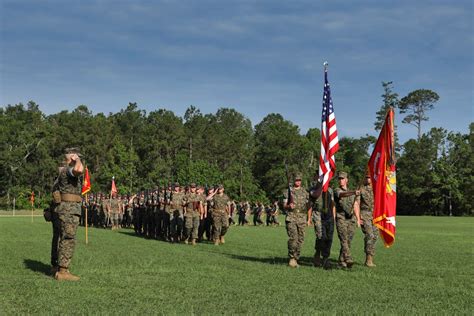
<point x="304" y="261"/>
<point x="37" y="266"/>
<point x="131" y="234"/>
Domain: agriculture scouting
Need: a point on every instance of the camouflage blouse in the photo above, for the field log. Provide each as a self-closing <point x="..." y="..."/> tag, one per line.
<point x="190" y="200"/>
<point x="344" y="204"/>
<point x="366" y="198"/>
<point x="325" y="202"/>
<point x="300" y="199"/>
<point x="220" y="202"/>
<point x="178" y="200"/>
<point x="68" y="183"/>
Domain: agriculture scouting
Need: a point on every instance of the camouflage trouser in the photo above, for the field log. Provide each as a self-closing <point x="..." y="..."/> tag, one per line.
<point x="205" y="227"/>
<point x="242" y="220"/>
<point x="324" y="230"/>
<point x="176" y="225"/>
<point x="159" y="224"/>
<point x="67" y="219"/>
<point x="345" y="232"/>
<point x="191" y="225"/>
<point x="166" y="225"/>
<point x="220" y="224"/>
<point x="295" y="226"/>
<point x="55" y="241"/>
<point x="141" y="221"/>
<point x="150" y="224"/>
<point x="370" y="232"/>
<point x="114" y="218"/>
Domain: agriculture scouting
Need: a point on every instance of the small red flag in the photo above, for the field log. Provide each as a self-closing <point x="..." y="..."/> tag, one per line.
<point x="86" y="186"/>
<point x="32" y="197"/>
<point x="113" y="188"/>
<point x="384" y="181"/>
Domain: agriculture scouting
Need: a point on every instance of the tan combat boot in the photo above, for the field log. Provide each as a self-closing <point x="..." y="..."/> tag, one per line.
<point x="222" y="241"/>
<point x="293" y="263"/>
<point x="193" y="242"/>
<point x="369" y="261"/>
<point x="64" y="275"/>
<point x="216" y="242"/>
<point x="342" y="264"/>
<point x="186" y="241"/>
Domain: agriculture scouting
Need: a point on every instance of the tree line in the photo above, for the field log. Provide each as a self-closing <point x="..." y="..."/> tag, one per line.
<point x="149" y="150"/>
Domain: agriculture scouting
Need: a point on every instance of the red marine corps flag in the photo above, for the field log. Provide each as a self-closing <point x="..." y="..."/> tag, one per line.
<point x="32" y="198"/>
<point x="384" y="181"/>
<point x="86" y="186"/>
<point x="113" y="188"/>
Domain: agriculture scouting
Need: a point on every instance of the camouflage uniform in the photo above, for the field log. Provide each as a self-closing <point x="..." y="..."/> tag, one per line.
<point x="121" y="213"/>
<point x="151" y="217"/>
<point x="141" y="219"/>
<point x="67" y="216"/>
<point x="345" y="224"/>
<point x="166" y="210"/>
<point x="158" y="215"/>
<point x="204" y="222"/>
<point x="192" y="215"/>
<point x="257" y="215"/>
<point x="114" y="211"/>
<point x="207" y="225"/>
<point x="366" y="202"/>
<point x="104" y="217"/>
<point x="136" y="216"/>
<point x="296" y="220"/>
<point x="56" y="228"/>
<point x="323" y="222"/>
<point x="220" y="217"/>
<point x="96" y="212"/>
<point x="176" y="215"/>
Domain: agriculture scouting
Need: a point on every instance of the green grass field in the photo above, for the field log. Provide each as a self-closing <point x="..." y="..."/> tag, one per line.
<point x="429" y="270"/>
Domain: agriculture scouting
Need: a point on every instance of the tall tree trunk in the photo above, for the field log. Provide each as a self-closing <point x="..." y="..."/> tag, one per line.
<point x="241" y="176"/>
<point x="190" y="148"/>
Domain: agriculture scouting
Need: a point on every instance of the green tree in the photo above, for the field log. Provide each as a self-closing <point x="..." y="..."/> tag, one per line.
<point x="390" y="100"/>
<point x="422" y="175"/>
<point x="416" y="104"/>
<point x="353" y="157"/>
<point x="277" y="140"/>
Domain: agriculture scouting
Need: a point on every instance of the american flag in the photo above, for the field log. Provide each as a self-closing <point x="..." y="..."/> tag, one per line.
<point x="329" y="140"/>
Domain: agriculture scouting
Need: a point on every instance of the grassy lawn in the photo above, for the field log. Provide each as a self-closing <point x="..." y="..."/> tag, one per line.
<point x="429" y="270"/>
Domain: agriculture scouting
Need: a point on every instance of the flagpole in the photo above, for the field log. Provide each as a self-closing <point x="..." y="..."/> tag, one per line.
<point x="325" y="64"/>
<point x="110" y="201"/>
<point x="87" y="233"/>
<point x="32" y="205"/>
<point x="85" y="190"/>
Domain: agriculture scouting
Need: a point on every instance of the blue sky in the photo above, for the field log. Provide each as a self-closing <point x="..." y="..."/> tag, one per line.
<point x="255" y="56"/>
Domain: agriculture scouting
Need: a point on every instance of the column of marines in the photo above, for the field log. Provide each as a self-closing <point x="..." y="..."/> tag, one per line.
<point x="195" y="213"/>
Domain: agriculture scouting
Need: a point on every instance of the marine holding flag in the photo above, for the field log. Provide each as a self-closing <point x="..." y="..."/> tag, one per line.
<point x="383" y="176"/>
